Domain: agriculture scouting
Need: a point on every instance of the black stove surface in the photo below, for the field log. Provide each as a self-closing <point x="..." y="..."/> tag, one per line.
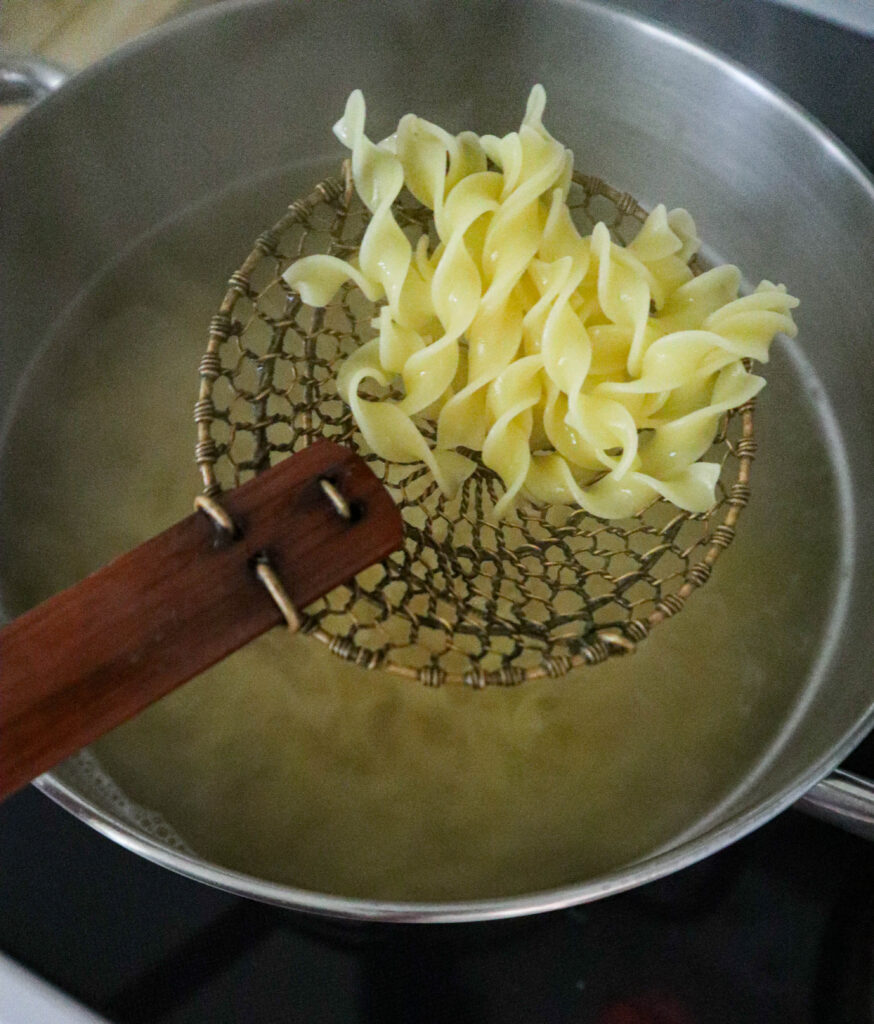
<point x="778" y="928"/>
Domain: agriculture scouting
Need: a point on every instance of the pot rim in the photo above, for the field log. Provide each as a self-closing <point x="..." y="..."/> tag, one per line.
<point x="683" y="852"/>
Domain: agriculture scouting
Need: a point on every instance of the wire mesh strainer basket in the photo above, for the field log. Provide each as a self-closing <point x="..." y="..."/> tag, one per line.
<point x="467" y="599"/>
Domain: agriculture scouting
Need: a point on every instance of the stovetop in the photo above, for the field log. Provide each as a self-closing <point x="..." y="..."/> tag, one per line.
<point x="778" y="928"/>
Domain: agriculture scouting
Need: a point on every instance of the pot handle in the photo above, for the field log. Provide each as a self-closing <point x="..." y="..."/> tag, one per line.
<point x="28" y="79"/>
<point x="844" y="799"/>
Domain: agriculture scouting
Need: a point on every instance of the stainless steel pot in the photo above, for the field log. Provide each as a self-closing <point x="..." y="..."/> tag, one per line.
<point x="197" y="107"/>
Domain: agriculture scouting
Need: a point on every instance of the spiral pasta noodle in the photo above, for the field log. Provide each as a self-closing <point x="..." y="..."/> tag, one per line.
<point x="584" y="372"/>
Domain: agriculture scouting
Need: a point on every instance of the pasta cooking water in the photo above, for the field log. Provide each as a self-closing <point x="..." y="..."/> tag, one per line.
<point x="584" y="372"/>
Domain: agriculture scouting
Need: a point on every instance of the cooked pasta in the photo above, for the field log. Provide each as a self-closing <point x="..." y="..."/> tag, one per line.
<point x="584" y="372"/>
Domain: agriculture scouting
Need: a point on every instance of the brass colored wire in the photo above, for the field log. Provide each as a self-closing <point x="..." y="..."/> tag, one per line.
<point x="269" y="577"/>
<point x="217" y="513"/>
<point x="341" y="505"/>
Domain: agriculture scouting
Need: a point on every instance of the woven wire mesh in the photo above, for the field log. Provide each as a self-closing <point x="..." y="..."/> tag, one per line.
<point x="466" y="599"/>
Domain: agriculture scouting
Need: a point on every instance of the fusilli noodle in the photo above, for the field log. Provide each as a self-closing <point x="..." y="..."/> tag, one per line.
<point x="585" y="372"/>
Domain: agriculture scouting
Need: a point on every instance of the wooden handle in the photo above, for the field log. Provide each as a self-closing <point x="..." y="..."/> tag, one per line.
<point x="94" y="655"/>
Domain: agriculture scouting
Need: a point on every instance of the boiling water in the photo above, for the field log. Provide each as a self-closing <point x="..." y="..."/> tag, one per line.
<point x="286" y="762"/>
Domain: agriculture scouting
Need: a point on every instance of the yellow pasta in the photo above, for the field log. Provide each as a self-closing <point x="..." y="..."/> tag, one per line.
<point x="584" y="372"/>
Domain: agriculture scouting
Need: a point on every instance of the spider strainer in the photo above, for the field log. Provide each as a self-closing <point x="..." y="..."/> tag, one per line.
<point x="466" y="599"/>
